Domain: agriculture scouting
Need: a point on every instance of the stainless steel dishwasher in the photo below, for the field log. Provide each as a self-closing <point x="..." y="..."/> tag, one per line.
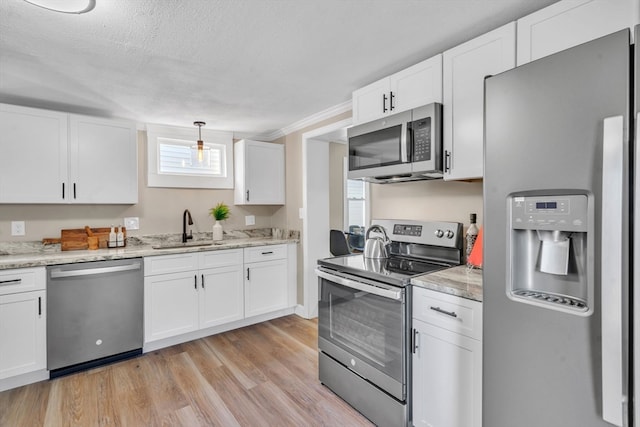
<point x="94" y="314"/>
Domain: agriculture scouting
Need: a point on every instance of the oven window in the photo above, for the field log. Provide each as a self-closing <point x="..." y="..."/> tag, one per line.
<point x="379" y="148"/>
<point x="367" y="326"/>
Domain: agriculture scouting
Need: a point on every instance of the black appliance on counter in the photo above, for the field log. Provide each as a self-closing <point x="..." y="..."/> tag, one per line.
<point x="364" y="317"/>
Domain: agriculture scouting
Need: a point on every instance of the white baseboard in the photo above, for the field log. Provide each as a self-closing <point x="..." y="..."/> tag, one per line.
<point x="24" y="379"/>
<point x="179" y="339"/>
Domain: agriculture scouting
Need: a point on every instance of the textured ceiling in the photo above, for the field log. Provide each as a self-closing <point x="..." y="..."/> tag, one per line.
<point x="249" y="66"/>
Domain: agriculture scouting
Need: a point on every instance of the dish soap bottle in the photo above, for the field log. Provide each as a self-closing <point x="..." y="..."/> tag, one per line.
<point x="113" y="239"/>
<point x="120" y="237"/>
<point x="471" y="236"/>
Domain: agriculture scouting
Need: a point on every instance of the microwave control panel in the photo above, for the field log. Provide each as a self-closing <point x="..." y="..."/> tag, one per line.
<point x="421" y="130"/>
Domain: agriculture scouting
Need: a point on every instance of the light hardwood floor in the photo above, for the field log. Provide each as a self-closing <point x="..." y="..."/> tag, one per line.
<point x="261" y="375"/>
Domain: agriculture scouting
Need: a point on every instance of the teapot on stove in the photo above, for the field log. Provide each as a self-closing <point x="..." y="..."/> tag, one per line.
<point x="376" y="247"/>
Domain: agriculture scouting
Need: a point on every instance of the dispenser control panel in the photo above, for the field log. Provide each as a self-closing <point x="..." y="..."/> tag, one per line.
<point x="564" y="213"/>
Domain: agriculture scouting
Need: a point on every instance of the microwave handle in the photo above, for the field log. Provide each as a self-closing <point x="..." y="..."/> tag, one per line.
<point x="404" y="144"/>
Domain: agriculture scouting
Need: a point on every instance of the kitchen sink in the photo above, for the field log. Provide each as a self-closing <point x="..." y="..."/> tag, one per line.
<point x="174" y="245"/>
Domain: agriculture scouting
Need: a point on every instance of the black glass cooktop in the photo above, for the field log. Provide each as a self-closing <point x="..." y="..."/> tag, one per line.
<point x="396" y="270"/>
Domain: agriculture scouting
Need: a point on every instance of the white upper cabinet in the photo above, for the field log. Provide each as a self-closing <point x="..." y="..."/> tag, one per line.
<point x="33" y="155"/>
<point x="572" y="22"/>
<point x="464" y="70"/>
<point x="412" y="87"/>
<point x="53" y="157"/>
<point x="259" y="173"/>
<point x="103" y="160"/>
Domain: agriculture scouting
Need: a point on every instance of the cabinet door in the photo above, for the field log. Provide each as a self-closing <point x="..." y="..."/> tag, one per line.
<point x="417" y="85"/>
<point x="221" y="295"/>
<point x="447" y="378"/>
<point x="170" y="305"/>
<point x="103" y="160"/>
<point x="265" y="287"/>
<point x="569" y="23"/>
<point x="465" y="68"/>
<point x="264" y="173"/>
<point x="371" y="102"/>
<point x="22" y="333"/>
<point x="33" y="155"/>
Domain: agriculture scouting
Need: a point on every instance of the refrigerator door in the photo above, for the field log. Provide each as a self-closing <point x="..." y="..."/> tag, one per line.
<point x="544" y="132"/>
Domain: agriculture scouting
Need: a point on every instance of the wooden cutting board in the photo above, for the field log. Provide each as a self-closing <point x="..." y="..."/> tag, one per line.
<point x="76" y="239"/>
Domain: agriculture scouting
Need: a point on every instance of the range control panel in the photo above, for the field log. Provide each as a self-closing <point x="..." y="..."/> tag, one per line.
<point x="565" y="213"/>
<point x="407" y="230"/>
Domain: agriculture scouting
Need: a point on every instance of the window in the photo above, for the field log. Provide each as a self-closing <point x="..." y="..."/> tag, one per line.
<point x="355" y="203"/>
<point x="356" y="208"/>
<point x="173" y="159"/>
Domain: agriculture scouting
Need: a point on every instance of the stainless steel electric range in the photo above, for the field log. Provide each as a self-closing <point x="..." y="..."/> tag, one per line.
<point x="364" y="318"/>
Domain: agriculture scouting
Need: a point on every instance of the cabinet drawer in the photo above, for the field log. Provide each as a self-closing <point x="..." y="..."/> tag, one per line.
<point x="215" y="259"/>
<point x="452" y="313"/>
<point x="170" y="264"/>
<point x="265" y="253"/>
<point x="22" y="280"/>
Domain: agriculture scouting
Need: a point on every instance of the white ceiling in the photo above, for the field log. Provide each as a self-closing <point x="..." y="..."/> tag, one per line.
<point x="249" y="66"/>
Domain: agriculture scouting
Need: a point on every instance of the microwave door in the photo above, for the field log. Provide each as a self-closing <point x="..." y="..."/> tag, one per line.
<point x="380" y="148"/>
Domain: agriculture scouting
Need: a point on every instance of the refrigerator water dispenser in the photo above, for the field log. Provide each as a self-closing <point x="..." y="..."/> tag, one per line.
<point x="548" y="252"/>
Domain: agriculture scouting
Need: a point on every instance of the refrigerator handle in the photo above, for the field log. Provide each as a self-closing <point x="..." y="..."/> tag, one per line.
<point x="613" y="395"/>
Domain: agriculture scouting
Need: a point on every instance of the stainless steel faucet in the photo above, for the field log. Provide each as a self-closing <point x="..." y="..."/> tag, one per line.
<point x="186" y="214"/>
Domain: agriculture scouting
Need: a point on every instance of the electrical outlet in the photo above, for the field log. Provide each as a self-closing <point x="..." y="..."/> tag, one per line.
<point x="132" y="223"/>
<point x="17" y="228"/>
<point x="250" y="220"/>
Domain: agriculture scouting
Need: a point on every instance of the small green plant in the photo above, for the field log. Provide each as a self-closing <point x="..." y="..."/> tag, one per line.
<point x="220" y="212"/>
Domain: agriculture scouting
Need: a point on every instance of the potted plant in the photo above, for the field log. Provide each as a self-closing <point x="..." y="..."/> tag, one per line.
<point x="220" y="212"/>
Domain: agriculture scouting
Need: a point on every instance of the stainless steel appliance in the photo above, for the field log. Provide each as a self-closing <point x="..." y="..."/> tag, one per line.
<point x="364" y="318"/>
<point x="558" y="196"/>
<point x="405" y="146"/>
<point x="94" y="314"/>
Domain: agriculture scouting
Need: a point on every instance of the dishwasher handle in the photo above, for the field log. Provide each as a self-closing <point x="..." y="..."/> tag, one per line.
<point x="56" y="274"/>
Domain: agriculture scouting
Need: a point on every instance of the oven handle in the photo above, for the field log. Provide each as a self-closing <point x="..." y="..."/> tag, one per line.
<point x="385" y="293"/>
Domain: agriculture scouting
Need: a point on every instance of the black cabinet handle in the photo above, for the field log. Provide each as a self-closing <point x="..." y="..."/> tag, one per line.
<point x="247" y="195"/>
<point x="202" y="281"/>
<point x="63" y="190"/>
<point x="414" y="341"/>
<point x="195" y="282"/>
<point x="74" y="190"/>
<point x="391" y="101"/>
<point x="247" y="273"/>
<point x="448" y="313"/>
<point x="39" y="306"/>
<point x="10" y="282"/>
<point x="384" y="103"/>
<point x="267" y="253"/>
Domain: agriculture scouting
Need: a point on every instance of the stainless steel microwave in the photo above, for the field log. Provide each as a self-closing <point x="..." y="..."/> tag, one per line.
<point x="405" y="146"/>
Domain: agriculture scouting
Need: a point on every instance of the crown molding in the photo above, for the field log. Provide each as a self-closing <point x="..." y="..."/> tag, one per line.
<point x="301" y="124"/>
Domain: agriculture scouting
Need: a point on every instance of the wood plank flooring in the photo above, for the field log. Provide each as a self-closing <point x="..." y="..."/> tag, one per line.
<point x="261" y="375"/>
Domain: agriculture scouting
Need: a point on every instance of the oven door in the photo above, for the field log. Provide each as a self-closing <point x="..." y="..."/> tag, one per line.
<point x="380" y="148"/>
<point x="362" y="325"/>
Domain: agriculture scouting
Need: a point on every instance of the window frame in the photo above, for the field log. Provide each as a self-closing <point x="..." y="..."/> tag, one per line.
<point x="345" y="202"/>
<point x="156" y="179"/>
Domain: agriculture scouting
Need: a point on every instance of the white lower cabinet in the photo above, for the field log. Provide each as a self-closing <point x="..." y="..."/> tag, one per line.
<point x="266" y="279"/>
<point x="23" y="328"/>
<point x="187" y="292"/>
<point x="447" y="360"/>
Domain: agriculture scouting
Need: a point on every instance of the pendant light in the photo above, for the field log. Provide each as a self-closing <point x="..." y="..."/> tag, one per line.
<point x="200" y="144"/>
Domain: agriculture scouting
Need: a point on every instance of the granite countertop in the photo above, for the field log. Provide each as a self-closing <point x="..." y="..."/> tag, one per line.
<point x="35" y="255"/>
<point x="459" y="281"/>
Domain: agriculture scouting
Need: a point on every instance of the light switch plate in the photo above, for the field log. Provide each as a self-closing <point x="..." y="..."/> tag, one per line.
<point x="132" y="223"/>
<point x="17" y="228"/>
<point x="250" y="220"/>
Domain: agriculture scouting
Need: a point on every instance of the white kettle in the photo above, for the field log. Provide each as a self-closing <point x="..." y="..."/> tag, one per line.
<point x="376" y="247"/>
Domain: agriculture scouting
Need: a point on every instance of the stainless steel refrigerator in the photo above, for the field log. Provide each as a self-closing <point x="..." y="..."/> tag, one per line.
<point x="558" y="247"/>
